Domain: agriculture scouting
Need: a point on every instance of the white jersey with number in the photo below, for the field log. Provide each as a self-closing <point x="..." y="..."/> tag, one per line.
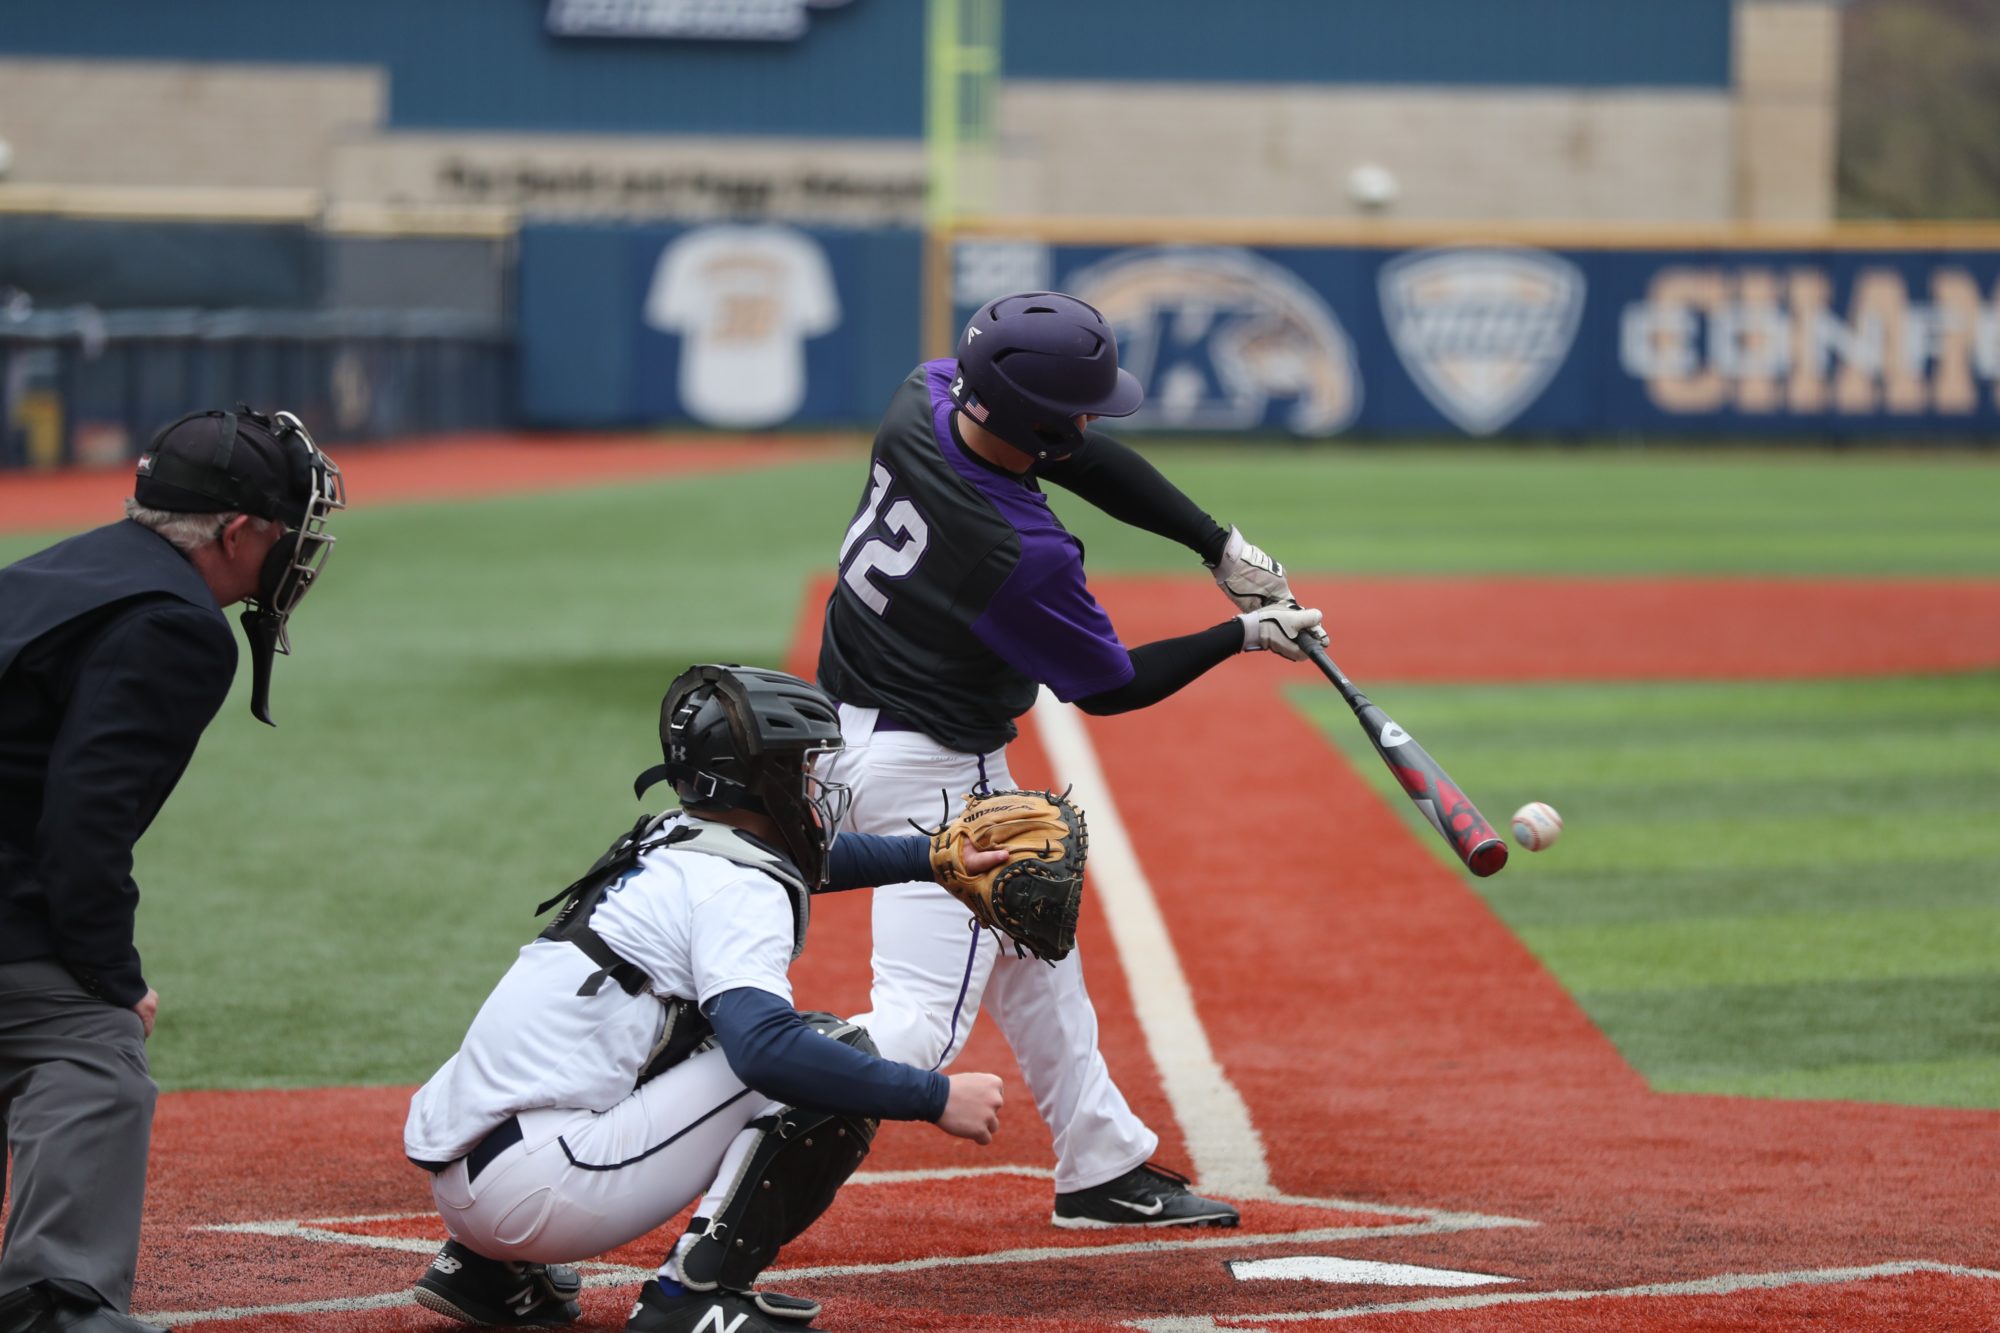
<point x="696" y="924"/>
<point x="743" y="299"/>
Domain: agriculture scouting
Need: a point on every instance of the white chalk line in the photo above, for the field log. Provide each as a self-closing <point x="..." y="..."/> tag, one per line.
<point x="612" y="1275"/>
<point x="1226" y="1150"/>
<point x="1722" y="1285"/>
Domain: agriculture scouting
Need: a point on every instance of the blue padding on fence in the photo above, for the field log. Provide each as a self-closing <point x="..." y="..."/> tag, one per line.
<point x="736" y="327"/>
<point x="1486" y="340"/>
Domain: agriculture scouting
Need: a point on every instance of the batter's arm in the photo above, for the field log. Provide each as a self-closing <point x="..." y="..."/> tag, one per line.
<point x="1117" y="479"/>
<point x="1167" y="665"/>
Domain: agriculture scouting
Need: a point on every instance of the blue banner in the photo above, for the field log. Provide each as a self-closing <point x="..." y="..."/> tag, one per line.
<point x="732" y="326"/>
<point x="1489" y="340"/>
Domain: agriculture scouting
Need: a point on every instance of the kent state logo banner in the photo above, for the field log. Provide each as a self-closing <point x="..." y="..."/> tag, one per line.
<point x="1225" y="340"/>
<point x="1481" y="332"/>
<point x="1837" y="341"/>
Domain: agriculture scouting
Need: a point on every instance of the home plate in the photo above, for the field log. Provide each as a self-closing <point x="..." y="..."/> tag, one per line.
<point x="1326" y="1268"/>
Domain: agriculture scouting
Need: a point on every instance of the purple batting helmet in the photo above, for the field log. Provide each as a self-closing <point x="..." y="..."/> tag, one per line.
<point x="1028" y="364"/>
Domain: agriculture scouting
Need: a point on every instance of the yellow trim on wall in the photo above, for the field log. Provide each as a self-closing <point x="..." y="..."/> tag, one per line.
<point x="1401" y="234"/>
<point x="162" y="204"/>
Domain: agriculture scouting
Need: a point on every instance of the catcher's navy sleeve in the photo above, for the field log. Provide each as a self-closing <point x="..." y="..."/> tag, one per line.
<point x="772" y="1050"/>
<point x="864" y="860"/>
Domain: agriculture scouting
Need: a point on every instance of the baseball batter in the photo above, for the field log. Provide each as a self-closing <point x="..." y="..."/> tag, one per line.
<point x="643" y="1051"/>
<point x="959" y="595"/>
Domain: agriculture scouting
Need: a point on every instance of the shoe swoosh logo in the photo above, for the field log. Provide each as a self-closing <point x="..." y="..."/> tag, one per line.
<point x="1144" y="1210"/>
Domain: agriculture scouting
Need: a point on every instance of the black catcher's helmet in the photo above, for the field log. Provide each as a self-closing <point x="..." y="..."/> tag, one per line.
<point x="743" y="738"/>
<point x="1029" y="364"/>
<point x="267" y="466"/>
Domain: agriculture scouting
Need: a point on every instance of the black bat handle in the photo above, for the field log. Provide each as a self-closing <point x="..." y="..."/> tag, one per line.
<point x="1355" y="698"/>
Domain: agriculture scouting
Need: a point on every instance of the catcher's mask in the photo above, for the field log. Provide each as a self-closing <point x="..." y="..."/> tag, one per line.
<point x="743" y="738"/>
<point x="1030" y="364"/>
<point x="195" y="465"/>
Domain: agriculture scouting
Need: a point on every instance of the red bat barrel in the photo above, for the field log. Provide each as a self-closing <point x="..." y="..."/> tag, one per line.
<point x="1450" y="811"/>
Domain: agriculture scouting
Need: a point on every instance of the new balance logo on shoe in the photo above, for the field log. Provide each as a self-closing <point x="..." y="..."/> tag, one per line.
<point x="712" y="1322"/>
<point x="445" y="1264"/>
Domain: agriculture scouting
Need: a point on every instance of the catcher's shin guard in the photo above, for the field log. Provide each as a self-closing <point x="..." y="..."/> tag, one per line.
<point x="800" y="1161"/>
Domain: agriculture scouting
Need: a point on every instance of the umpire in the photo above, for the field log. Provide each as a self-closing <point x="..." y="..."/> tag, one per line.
<point x="114" y="656"/>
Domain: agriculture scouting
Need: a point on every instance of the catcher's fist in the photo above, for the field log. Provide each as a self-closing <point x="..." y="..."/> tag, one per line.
<point x="972" y="1110"/>
<point x="1248" y="577"/>
<point x="1034" y="896"/>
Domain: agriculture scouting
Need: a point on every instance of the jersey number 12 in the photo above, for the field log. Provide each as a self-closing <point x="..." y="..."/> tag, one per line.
<point x="892" y="555"/>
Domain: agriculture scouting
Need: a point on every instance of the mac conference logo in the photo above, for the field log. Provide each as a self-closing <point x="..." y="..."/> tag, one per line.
<point x="1482" y="332"/>
<point x="1225" y="340"/>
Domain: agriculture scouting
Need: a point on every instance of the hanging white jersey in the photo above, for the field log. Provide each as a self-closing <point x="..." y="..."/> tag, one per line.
<point x="743" y="299"/>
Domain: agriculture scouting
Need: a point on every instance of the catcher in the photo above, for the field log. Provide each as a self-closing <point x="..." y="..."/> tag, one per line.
<point x="643" y="1049"/>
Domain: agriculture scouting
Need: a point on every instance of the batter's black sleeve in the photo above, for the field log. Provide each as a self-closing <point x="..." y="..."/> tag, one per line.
<point x="771" y="1049"/>
<point x="1162" y="667"/>
<point x="864" y="860"/>
<point x="143" y="695"/>
<point x="1117" y="479"/>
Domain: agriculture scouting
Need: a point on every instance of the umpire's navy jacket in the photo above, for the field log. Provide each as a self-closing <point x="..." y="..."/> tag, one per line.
<point x="113" y="658"/>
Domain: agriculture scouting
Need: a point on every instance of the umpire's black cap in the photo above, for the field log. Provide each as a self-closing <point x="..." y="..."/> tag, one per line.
<point x="215" y="461"/>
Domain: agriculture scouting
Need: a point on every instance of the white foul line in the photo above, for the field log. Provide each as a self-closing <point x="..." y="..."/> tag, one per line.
<point x="1722" y="1285"/>
<point x="1227" y="1152"/>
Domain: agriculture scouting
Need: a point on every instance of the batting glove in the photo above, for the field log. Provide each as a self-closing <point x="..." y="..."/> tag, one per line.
<point x="1280" y="628"/>
<point x="1248" y="577"/>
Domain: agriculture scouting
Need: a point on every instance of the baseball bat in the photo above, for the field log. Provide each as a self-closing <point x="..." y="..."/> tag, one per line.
<point x="1449" y="809"/>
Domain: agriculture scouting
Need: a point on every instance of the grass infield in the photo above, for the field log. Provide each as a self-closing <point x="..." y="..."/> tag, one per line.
<point x="476" y="684"/>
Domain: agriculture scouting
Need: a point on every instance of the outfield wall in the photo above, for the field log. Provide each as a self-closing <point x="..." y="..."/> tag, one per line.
<point x="762" y="326"/>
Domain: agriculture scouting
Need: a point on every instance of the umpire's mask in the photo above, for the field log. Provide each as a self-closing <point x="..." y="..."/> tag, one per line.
<point x="266" y="466"/>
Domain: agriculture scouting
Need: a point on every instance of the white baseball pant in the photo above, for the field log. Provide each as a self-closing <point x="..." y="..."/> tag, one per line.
<point x="933" y="969"/>
<point x="583" y="1182"/>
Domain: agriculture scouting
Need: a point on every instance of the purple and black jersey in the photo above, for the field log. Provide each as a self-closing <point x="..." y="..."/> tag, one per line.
<point x="959" y="590"/>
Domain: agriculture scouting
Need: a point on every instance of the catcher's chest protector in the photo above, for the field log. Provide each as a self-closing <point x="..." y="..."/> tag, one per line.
<point x="686" y="1028"/>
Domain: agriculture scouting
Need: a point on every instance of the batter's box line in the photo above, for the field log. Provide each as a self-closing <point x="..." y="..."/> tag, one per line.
<point x="323" y="1230"/>
<point x="1725" y="1284"/>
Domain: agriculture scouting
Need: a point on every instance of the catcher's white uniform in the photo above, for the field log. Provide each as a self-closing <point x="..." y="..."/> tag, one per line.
<point x="602" y="1161"/>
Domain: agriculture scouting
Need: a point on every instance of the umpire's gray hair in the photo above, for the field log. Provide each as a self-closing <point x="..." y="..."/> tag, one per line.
<point x="188" y="532"/>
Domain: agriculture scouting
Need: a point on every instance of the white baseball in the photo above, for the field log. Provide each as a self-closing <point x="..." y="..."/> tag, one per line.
<point x="1537" y="826"/>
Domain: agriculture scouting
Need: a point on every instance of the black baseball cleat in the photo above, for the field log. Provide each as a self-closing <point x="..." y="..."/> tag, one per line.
<point x="733" y="1311"/>
<point x="39" y="1310"/>
<point x="473" y="1289"/>
<point x="1145" y="1196"/>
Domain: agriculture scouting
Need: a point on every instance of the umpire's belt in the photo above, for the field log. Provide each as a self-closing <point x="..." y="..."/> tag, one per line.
<point x="498" y="1140"/>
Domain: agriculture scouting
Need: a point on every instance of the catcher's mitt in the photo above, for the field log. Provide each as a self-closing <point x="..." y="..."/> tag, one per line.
<point x="1034" y="898"/>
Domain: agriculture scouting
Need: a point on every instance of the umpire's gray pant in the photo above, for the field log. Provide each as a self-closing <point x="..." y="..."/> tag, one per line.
<point x="76" y="1108"/>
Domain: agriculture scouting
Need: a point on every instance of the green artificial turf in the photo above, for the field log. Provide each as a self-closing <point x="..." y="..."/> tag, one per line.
<point x="1503" y="509"/>
<point x="476" y="684"/>
<point x="1779" y="888"/>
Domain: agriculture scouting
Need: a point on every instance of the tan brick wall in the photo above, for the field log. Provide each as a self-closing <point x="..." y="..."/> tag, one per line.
<point x="140" y="123"/>
<point x="583" y="175"/>
<point x="1787" y="76"/>
<point x="1240" y="151"/>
